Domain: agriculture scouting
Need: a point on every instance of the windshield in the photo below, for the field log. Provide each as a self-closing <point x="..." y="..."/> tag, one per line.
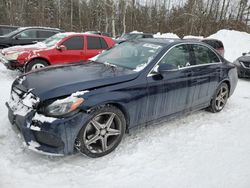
<point x="134" y="55"/>
<point x="52" y="41"/>
<point x="13" y="32"/>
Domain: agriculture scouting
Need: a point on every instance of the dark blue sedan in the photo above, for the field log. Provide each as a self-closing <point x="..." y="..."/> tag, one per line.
<point x="88" y="107"/>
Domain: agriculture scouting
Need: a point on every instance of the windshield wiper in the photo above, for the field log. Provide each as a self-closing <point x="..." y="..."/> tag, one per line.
<point x="109" y="64"/>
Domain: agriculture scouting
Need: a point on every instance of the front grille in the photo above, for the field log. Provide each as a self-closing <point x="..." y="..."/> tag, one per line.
<point x="246" y="64"/>
<point x="21" y="102"/>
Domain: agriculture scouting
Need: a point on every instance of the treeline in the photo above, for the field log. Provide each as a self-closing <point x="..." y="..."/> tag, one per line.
<point x="183" y="17"/>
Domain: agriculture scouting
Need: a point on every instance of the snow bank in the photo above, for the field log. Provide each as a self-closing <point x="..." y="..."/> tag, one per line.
<point x="235" y="43"/>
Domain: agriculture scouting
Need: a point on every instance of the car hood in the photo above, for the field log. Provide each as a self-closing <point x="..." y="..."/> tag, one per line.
<point x="16" y="49"/>
<point x="245" y="58"/>
<point x="58" y="81"/>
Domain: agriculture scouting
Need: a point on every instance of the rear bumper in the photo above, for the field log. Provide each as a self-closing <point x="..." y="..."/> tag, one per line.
<point x="56" y="138"/>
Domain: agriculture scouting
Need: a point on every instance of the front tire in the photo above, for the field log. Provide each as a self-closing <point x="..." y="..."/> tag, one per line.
<point x="102" y="133"/>
<point x="220" y="98"/>
<point x="35" y="64"/>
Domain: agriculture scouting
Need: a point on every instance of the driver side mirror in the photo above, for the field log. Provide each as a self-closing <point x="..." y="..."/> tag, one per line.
<point x="244" y="54"/>
<point x="61" y="48"/>
<point x="16" y="37"/>
<point x="165" y="68"/>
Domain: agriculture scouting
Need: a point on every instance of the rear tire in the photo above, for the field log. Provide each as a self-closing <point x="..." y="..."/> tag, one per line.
<point x="220" y="98"/>
<point x="35" y="64"/>
<point x="102" y="133"/>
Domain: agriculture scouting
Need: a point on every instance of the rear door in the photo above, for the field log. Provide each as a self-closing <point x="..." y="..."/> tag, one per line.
<point x="95" y="45"/>
<point x="206" y="74"/>
<point x="168" y="94"/>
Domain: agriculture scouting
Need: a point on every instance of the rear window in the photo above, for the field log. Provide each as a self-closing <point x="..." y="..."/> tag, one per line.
<point x="204" y="55"/>
<point x="96" y="43"/>
<point x="214" y="43"/>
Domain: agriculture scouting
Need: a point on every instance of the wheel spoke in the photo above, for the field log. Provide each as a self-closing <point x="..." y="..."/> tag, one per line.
<point x="217" y="99"/>
<point x="223" y="101"/>
<point x="113" y="132"/>
<point x="104" y="141"/>
<point x="93" y="139"/>
<point x="110" y="121"/>
<point x="97" y="125"/>
<point x="223" y="94"/>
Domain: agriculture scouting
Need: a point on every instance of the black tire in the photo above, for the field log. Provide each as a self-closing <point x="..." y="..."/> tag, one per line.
<point x="91" y="139"/>
<point x="35" y="64"/>
<point x="219" y="99"/>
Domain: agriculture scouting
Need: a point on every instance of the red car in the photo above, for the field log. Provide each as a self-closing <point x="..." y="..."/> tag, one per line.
<point x="58" y="49"/>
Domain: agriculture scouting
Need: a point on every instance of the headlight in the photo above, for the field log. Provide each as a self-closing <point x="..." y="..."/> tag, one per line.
<point x="13" y="56"/>
<point x="63" y="107"/>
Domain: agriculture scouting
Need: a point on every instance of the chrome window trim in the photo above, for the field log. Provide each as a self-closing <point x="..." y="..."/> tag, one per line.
<point x="183" y="68"/>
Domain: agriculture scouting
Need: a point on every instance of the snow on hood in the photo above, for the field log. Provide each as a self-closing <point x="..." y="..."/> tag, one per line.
<point x="15" y="49"/>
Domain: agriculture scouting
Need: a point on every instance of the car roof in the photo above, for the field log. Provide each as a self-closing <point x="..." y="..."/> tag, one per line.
<point x="169" y="41"/>
<point x="84" y="34"/>
<point x="162" y="41"/>
<point x="38" y="27"/>
<point x="140" y="33"/>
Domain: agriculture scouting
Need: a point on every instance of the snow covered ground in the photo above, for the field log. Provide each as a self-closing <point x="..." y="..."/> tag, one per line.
<point x="202" y="150"/>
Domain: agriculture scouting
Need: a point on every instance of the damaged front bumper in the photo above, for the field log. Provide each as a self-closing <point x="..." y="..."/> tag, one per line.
<point x="45" y="135"/>
<point x="10" y="64"/>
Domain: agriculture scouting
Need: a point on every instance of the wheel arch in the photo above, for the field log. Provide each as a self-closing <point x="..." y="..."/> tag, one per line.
<point x="227" y="81"/>
<point x="35" y="58"/>
<point x="119" y="106"/>
<point x="123" y="110"/>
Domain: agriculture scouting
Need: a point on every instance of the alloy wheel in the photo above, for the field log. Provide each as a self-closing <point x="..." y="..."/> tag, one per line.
<point x="37" y="66"/>
<point x="221" y="98"/>
<point x="102" y="132"/>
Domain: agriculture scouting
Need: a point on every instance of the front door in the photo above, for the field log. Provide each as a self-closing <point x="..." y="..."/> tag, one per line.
<point x="74" y="51"/>
<point x="168" y="93"/>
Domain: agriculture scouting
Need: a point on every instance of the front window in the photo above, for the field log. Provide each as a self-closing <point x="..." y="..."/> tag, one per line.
<point x="74" y="43"/>
<point x="134" y="55"/>
<point x="28" y="34"/>
<point x="178" y="56"/>
<point x="52" y="41"/>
